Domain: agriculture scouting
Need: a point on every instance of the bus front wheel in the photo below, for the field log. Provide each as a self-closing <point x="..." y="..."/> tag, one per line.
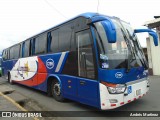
<point x="56" y="91"/>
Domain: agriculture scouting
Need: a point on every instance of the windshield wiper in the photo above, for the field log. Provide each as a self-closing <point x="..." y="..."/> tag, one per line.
<point x="143" y="61"/>
<point x="129" y="56"/>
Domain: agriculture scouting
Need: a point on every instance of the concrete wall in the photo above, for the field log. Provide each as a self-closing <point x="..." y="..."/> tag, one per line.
<point x="153" y="56"/>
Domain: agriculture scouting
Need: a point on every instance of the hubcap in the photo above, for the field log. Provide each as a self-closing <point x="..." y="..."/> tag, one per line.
<point x="57" y="90"/>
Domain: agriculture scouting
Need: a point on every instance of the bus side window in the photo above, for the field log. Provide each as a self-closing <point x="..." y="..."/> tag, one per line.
<point x="26" y="48"/>
<point x="7" y="54"/>
<point x="15" y="52"/>
<point x="65" y="37"/>
<point x="54" y="41"/>
<point x="11" y="53"/>
<point x="4" y="55"/>
<point x="41" y="44"/>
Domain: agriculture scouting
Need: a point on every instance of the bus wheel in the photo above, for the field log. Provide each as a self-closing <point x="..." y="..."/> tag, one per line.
<point x="9" y="78"/>
<point x="56" y="91"/>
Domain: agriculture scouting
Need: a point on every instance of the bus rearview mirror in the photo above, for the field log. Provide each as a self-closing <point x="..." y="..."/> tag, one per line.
<point x="110" y="31"/>
<point x="152" y="33"/>
<point x="155" y="38"/>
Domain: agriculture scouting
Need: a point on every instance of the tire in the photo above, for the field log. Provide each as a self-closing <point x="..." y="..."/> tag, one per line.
<point x="9" y="78"/>
<point x="56" y="91"/>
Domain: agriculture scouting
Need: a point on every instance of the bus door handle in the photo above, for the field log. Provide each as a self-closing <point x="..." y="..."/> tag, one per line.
<point x="82" y="82"/>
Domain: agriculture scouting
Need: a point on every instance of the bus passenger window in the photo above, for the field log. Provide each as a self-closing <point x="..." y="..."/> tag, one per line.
<point x="26" y="48"/>
<point x="15" y="52"/>
<point x="4" y="55"/>
<point x="65" y="36"/>
<point x="54" y="41"/>
<point x="41" y="44"/>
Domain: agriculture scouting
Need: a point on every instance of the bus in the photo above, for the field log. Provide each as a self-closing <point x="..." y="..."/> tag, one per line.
<point x="92" y="58"/>
<point x="0" y="66"/>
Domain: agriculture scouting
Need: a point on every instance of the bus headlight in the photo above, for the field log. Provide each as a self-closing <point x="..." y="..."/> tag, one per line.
<point x="114" y="88"/>
<point x="120" y="88"/>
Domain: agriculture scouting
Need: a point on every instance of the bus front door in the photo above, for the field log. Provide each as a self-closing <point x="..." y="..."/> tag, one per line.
<point x="87" y="83"/>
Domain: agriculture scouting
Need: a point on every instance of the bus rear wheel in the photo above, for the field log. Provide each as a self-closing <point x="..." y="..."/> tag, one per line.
<point x="56" y="91"/>
<point x="9" y="78"/>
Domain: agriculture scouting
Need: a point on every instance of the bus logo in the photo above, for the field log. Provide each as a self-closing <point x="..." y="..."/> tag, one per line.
<point x="118" y="75"/>
<point x="50" y="63"/>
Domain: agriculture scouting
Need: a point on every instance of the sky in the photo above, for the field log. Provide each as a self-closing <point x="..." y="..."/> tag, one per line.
<point x="21" y="19"/>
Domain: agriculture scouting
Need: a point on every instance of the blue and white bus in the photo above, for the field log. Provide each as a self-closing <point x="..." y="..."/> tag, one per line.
<point x="93" y="59"/>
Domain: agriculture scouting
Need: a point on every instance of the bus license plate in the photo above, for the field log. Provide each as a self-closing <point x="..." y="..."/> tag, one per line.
<point x="138" y="92"/>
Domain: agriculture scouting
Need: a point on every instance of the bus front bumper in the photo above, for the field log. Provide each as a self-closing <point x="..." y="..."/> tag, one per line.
<point x="134" y="90"/>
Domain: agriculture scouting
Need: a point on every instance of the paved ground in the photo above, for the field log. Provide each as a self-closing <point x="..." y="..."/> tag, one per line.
<point x="41" y="101"/>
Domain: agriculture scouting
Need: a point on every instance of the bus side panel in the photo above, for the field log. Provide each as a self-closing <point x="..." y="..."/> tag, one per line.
<point x="25" y="71"/>
<point x="86" y="93"/>
<point x="52" y="65"/>
<point x="34" y="71"/>
<point x="7" y="67"/>
<point x="42" y="75"/>
<point x="69" y="85"/>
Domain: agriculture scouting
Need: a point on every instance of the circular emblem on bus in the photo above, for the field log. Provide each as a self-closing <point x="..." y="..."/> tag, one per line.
<point x="118" y="75"/>
<point x="50" y="63"/>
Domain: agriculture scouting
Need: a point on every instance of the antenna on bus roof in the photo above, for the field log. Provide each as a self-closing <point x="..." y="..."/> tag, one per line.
<point x="97" y="6"/>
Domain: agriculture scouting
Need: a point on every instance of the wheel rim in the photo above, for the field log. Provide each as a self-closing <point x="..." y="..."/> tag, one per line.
<point x="57" y="89"/>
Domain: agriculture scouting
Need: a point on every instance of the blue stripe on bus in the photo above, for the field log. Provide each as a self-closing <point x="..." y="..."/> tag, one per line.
<point x="110" y="75"/>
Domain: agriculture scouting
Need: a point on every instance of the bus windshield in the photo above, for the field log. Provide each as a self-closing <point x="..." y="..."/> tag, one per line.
<point x="116" y="55"/>
<point x="139" y="56"/>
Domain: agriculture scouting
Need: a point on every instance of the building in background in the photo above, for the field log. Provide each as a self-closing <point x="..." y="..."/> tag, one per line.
<point x="152" y="51"/>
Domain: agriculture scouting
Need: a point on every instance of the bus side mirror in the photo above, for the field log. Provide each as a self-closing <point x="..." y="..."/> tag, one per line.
<point x="152" y="33"/>
<point x="109" y="28"/>
<point x="110" y="31"/>
<point x="155" y="38"/>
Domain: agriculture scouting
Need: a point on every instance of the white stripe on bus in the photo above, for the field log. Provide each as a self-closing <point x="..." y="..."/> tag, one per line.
<point x="60" y="61"/>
